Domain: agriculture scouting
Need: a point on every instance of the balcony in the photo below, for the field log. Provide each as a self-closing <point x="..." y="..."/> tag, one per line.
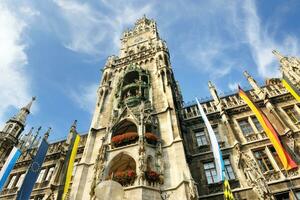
<point x="124" y="139"/>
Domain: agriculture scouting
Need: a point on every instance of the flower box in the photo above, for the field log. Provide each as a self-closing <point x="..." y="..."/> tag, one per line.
<point x="125" y="178"/>
<point x="152" y="176"/>
<point x="124" y="139"/>
<point x="151" y="138"/>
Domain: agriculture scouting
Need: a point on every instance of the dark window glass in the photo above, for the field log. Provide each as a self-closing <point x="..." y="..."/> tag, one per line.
<point x="210" y="172"/>
<point x="263" y="160"/>
<point x="245" y="127"/>
<point x="257" y="124"/>
<point x="201" y="138"/>
<point x="228" y="169"/>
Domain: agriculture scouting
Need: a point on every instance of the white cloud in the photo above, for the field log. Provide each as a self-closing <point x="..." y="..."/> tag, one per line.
<point x="94" y="32"/>
<point x="91" y="31"/>
<point x="261" y="42"/>
<point x="217" y="44"/>
<point x="85" y="96"/>
<point x="14" y="82"/>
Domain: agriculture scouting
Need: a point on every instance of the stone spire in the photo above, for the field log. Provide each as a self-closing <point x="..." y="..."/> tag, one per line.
<point x="46" y="135"/>
<point x="72" y="132"/>
<point x="21" y="116"/>
<point x="278" y="55"/>
<point x="252" y="82"/>
<point x="213" y="92"/>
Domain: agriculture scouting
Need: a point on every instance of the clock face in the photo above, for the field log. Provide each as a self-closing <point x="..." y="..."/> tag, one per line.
<point x="138" y="39"/>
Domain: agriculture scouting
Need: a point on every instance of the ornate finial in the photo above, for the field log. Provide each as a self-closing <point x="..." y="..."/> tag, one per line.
<point x="30" y="132"/>
<point x="277" y="54"/>
<point x="246" y="74"/>
<point x="38" y="131"/>
<point x="28" y="106"/>
<point x="46" y="135"/>
<point x="74" y="125"/>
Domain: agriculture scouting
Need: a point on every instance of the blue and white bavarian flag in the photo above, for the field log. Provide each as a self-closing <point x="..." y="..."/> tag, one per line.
<point x="214" y="145"/>
<point x="9" y="165"/>
<point x="33" y="172"/>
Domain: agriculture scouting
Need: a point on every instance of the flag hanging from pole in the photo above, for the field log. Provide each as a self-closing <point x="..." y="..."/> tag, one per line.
<point x="68" y="166"/>
<point x="214" y="145"/>
<point x="9" y="165"/>
<point x="33" y="172"/>
<point x="227" y="191"/>
<point x="272" y="134"/>
<point x="290" y="87"/>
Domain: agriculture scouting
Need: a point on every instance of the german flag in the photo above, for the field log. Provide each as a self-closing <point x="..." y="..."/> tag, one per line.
<point x="68" y="166"/>
<point x="290" y="87"/>
<point x="287" y="161"/>
<point x="227" y="191"/>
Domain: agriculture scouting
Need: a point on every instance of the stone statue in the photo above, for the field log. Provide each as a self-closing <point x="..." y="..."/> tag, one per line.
<point x="254" y="177"/>
<point x="159" y="159"/>
<point x="193" y="191"/>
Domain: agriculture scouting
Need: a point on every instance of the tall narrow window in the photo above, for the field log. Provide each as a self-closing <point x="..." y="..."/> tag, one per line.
<point x="216" y="131"/>
<point x="228" y="169"/>
<point x="245" y="127"/>
<point x="293" y="114"/>
<point x="201" y="138"/>
<point x="41" y="176"/>
<point x="297" y="193"/>
<point x="210" y="172"/>
<point x="257" y="124"/>
<point x="75" y="167"/>
<point x="20" y="180"/>
<point x="263" y="160"/>
<point x="276" y="157"/>
<point x="11" y="183"/>
<point x="50" y="173"/>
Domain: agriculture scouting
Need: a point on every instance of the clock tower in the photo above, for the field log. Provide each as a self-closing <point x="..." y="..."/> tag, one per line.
<point x="135" y="136"/>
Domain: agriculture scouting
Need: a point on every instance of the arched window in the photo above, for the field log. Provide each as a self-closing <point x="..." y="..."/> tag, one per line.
<point x="9" y="128"/>
<point x="122" y="169"/>
<point x="124" y="134"/>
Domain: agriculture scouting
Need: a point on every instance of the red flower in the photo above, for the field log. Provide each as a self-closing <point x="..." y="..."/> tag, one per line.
<point x="152" y="176"/>
<point x="151" y="138"/>
<point x="126" y="177"/>
<point x="124" y="138"/>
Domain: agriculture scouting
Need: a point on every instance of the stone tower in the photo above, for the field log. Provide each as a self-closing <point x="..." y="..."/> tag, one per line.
<point x="135" y="135"/>
<point x="12" y="130"/>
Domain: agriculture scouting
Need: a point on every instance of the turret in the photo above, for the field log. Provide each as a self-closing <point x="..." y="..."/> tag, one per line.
<point x="10" y="135"/>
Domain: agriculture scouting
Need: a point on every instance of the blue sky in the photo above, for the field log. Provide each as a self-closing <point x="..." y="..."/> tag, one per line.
<point x="55" y="49"/>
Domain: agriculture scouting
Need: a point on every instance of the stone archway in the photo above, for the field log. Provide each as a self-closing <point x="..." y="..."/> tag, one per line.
<point x="122" y="168"/>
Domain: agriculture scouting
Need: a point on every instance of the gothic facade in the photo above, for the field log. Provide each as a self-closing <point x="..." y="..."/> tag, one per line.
<point x="143" y="137"/>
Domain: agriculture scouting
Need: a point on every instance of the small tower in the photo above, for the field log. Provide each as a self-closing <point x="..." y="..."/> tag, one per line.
<point x="9" y="136"/>
<point x="290" y="67"/>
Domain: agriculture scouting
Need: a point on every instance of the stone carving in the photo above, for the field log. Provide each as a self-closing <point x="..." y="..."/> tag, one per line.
<point x="142" y="160"/>
<point x="193" y="191"/>
<point x="254" y="177"/>
<point x="99" y="166"/>
<point x="160" y="162"/>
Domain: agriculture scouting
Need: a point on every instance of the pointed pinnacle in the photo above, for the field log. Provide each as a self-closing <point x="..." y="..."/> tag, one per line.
<point x="246" y="74"/>
<point x="277" y="54"/>
<point x="210" y="85"/>
<point x="46" y="135"/>
<point x="30" y="132"/>
<point x="74" y="125"/>
<point x="28" y="106"/>
<point x="38" y="131"/>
